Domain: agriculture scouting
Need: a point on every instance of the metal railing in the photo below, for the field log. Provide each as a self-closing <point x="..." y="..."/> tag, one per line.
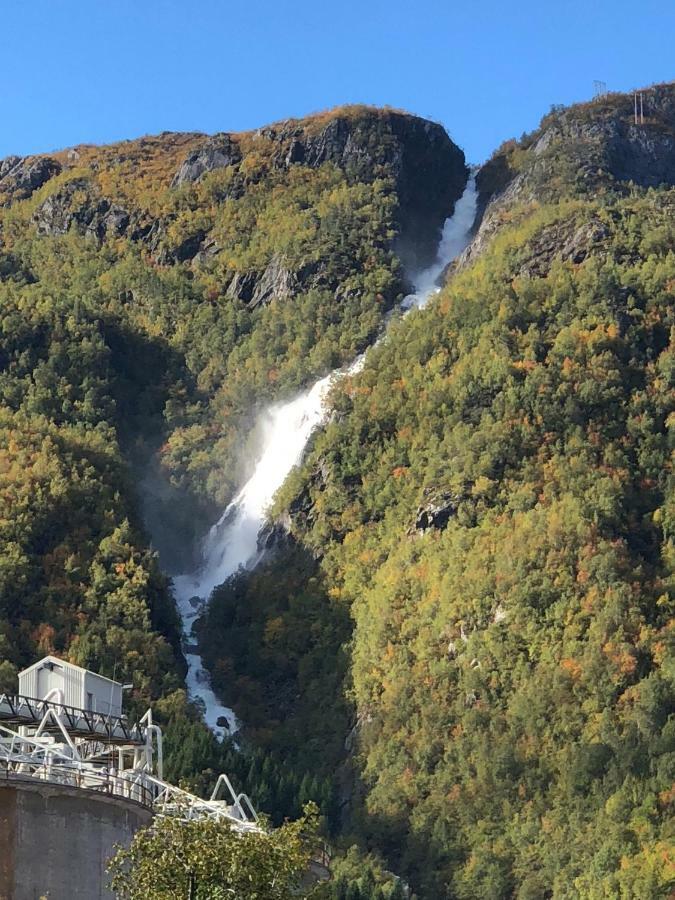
<point x="174" y="801"/>
<point x="120" y="786"/>
<point x="60" y="759"/>
<point x="21" y="710"/>
<point x="138" y="787"/>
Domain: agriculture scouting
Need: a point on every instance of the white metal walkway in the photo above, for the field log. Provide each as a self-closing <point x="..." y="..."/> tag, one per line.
<point x="26" y="711"/>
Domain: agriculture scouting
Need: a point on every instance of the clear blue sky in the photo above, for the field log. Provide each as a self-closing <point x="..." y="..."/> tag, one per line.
<point x="75" y="71"/>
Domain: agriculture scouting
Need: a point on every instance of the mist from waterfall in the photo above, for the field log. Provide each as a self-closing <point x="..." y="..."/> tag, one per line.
<point x="232" y="543"/>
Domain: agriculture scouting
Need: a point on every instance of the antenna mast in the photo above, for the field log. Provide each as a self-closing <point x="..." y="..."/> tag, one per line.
<point x="639" y="118"/>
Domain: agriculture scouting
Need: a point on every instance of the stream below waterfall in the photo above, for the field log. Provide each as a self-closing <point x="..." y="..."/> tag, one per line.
<point x="286" y="428"/>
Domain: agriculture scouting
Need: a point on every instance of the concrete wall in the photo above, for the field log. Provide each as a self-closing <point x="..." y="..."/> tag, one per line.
<point x="55" y="840"/>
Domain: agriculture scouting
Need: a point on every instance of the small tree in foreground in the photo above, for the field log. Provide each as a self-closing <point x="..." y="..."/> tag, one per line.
<point x="206" y="860"/>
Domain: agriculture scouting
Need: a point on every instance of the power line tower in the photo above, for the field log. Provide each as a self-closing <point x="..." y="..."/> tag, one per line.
<point x="599" y="89"/>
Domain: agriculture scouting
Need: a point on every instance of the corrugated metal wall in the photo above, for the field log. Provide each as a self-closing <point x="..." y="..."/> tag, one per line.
<point x="73" y="686"/>
<point x="108" y="695"/>
<point x="28" y="684"/>
<point x="39" y="682"/>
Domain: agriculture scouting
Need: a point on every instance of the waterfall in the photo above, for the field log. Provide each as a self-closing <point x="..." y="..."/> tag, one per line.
<point x="286" y="428"/>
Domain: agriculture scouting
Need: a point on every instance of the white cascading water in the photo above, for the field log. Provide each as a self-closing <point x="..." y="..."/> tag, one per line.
<point x="232" y="542"/>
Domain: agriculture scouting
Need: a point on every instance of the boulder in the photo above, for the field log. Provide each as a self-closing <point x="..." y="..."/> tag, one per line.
<point x="436" y="510"/>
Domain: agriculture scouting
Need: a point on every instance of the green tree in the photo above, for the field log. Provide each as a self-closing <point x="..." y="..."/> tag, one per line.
<point x="209" y="860"/>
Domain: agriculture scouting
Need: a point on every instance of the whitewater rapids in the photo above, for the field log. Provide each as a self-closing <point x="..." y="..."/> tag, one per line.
<point x="232" y="543"/>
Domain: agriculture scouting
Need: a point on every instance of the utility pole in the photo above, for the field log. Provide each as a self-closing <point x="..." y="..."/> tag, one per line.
<point x="642" y="111"/>
<point x="635" y="106"/>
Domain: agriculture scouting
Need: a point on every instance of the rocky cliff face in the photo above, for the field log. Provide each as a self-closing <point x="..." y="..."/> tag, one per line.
<point x="217" y="152"/>
<point x="21" y="176"/>
<point x="76" y="205"/>
<point x="427" y="170"/>
<point x="582" y="150"/>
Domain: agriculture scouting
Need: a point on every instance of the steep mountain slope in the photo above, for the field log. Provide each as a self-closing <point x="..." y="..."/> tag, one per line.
<point x="152" y="294"/>
<point x="585" y="150"/>
<point x="459" y="642"/>
<point x="492" y="506"/>
<point x="198" y="235"/>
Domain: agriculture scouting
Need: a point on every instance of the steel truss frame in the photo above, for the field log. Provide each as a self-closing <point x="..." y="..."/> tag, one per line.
<point x="49" y="750"/>
<point x="20" y="710"/>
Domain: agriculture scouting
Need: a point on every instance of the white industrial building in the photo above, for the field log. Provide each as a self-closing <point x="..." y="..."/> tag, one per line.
<point x="62" y="682"/>
<point x="62" y="737"/>
<point x="66" y="726"/>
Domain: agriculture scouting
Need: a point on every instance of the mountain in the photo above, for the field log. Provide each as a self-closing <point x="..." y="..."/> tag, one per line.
<point x="137" y="289"/>
<point x="585" y="150"/>
<point x="485" y="529"/>
<point x="458" y="639"/>
<point x="153" y="295"/>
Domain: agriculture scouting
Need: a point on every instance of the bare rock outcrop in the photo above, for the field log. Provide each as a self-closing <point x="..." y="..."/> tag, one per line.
<point x="217" y="152"/>
<point x="22" y="176"/>
<point x="75" y="205"/>
<point x="436" y="510"/>
<point x="275" y="282"/>
<point x="565" y="240"/>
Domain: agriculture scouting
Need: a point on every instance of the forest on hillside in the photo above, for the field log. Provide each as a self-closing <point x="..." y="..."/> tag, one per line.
<point x="119" y="358"/>
<point x="461" y="645"/>
<point x="492" y="505"/>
